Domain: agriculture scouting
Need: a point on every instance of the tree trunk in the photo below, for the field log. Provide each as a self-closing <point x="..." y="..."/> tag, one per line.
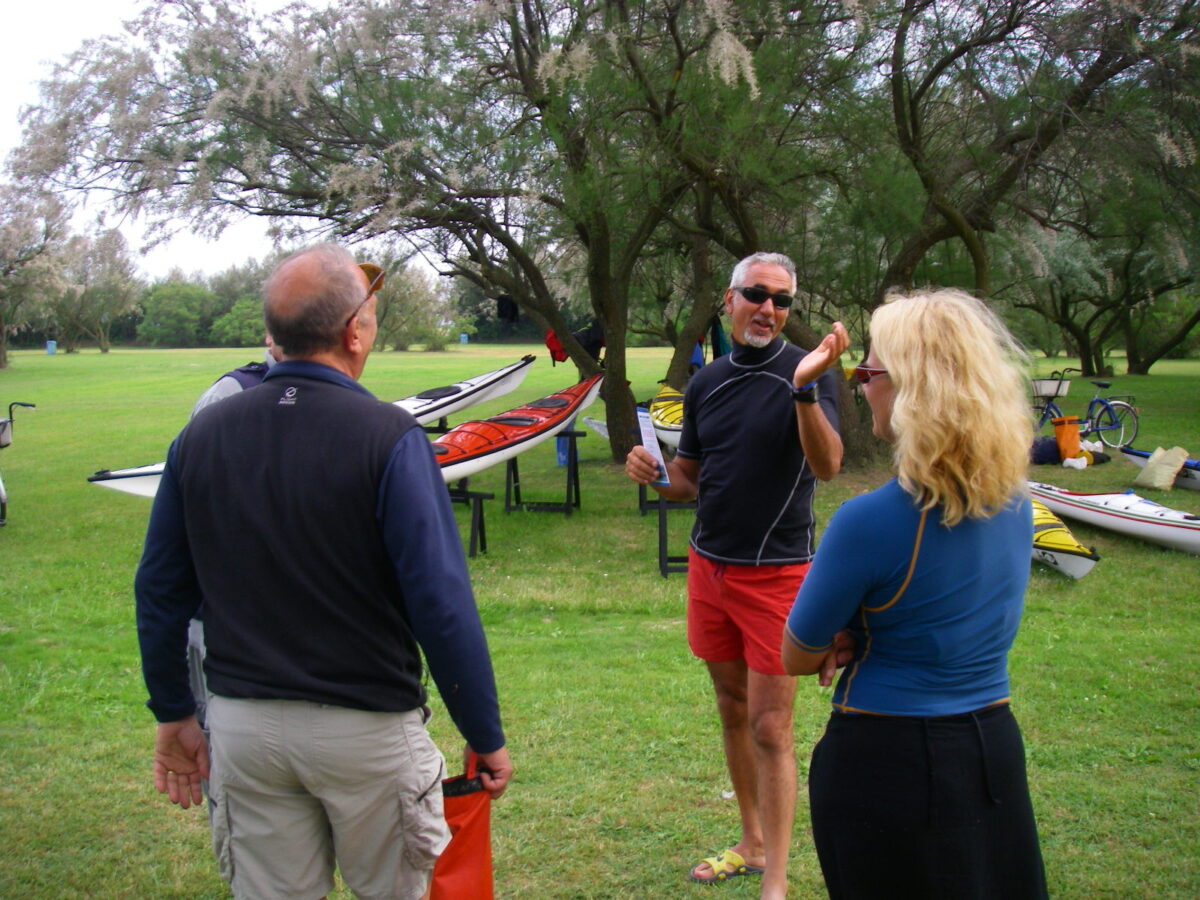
<point x="700" y="313"/>
<point x="1139" y="364"/>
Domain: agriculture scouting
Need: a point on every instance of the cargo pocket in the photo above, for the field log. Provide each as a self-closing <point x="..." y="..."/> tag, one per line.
<point x="218" y="816"/>
<point x="424" y="822"/>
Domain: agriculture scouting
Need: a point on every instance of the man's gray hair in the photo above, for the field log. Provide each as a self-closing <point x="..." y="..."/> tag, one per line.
<point x="770" y="259"/>
<point x="312" y="315"/>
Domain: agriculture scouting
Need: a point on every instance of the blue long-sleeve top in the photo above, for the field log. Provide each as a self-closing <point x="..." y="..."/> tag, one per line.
<point x="313" y="524"/>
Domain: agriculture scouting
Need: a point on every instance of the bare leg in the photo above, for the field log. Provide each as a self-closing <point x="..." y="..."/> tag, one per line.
<point x="731" y="685"/>
<point x="770" y="701"/>
<point x="756" y="723"/>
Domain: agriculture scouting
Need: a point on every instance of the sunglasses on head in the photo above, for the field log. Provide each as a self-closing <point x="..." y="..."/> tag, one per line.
<point x="864" y="374"/>
<point x="758" y="296"/>
<point x="375" y="276"/>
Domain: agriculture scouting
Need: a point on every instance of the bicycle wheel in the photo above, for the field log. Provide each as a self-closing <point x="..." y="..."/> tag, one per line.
<point x="1117" y="423"/>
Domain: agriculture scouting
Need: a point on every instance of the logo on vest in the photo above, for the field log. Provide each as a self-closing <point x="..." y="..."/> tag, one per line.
<point x="289" y="397"/>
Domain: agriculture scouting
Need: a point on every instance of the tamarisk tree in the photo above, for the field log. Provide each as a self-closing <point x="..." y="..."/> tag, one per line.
<point x="992" y="99"/>
<point x="32" y="228"/>
<point x="537" y="147"/>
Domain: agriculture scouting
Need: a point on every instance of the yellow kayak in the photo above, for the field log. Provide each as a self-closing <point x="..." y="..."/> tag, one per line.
<point x="666" y="414"/>
<point x="1055" y="546"/>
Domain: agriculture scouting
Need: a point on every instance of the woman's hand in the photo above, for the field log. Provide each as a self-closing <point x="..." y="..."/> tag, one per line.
<point x="837" y="656"/>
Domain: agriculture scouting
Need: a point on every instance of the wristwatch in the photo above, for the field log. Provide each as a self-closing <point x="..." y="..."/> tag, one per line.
<point x="807" y="393"/>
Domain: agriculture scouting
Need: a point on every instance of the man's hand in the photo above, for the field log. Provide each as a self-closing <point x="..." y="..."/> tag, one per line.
<point x="683" y="474"/>
<point x="640" y="466"/>
<point x="180" y="761"/>
<point x="825" y="355"/>
<point x="496" y="771"/>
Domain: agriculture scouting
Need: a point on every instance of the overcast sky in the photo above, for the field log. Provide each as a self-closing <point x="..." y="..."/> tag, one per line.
<point x="38" y="33"/>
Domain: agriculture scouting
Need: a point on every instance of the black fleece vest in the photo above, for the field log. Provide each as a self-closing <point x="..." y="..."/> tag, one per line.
<point x="280" y="485"/>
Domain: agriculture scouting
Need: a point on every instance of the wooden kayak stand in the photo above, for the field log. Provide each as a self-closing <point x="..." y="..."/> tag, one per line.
<point x="570" y="501"/>
<point x="474" y="499"/>
<point x="667" y="563"/>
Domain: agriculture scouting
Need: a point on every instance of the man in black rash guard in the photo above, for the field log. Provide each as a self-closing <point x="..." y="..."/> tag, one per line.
<point x="759" y="429"/>
<point x="312" y="522"/>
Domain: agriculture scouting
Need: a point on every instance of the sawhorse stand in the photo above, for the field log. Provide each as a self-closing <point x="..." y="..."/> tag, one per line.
<point x="474" y="499"/>
<point x="512" y="483"/>
<point x="666" y="562"/>
<point x="645" y="504"/>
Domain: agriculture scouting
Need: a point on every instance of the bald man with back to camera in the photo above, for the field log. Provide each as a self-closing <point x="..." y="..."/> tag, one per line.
<point x="312" y="522"/>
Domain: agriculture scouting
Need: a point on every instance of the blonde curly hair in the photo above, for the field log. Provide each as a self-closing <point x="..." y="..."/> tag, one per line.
<point x="961" y="419"/>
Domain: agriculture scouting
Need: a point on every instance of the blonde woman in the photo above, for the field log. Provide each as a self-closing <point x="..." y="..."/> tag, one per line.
<point x="918" y="787"/>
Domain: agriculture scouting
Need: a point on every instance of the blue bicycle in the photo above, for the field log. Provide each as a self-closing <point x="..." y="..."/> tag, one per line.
<point x="1113" y="419"/>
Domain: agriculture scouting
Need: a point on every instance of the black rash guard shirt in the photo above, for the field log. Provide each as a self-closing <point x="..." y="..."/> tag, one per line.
<point x="756" y="489"/>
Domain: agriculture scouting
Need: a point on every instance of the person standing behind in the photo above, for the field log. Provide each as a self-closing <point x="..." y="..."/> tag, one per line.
<point x="239" y="379"/>
<point x="312" y="522"/>
<point x="760" y="427"/>
<point x="918" y="787"/>
<point x="229" y="384"/>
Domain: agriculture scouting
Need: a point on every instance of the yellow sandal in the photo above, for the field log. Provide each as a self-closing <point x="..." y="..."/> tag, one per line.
<point x="725" y="865"/>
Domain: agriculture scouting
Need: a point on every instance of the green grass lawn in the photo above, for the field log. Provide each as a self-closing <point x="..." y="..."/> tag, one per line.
<point x="620" y="784"/>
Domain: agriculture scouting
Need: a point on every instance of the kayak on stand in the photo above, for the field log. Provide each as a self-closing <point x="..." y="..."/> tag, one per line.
<point x="1125" y="513"/>
<point x="473" y="446"/>
<point x="1187" y="477"/>
<point x="438" y="402"/>
<point x="1055" y="546"/>
<point x="142" y="481"/>
<point x="666" y="415"/>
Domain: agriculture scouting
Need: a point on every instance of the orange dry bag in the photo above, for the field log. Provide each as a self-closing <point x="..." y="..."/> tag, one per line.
<point x="464" y="870"/>
<point x="1066" y="435"/>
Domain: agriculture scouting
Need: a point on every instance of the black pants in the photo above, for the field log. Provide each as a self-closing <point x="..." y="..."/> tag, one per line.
<point x="925" y="808"/>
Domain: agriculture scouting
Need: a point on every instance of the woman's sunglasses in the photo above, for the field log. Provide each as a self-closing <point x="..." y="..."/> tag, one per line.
<point x="864" y="374"/>
<point x="758" y="296"/>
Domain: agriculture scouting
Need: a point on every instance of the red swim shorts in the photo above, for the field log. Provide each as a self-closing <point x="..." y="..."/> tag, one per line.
<point x="738" y="612"/>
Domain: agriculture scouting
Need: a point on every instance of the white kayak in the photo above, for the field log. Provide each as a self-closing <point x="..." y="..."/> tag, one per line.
<point x="438" y="402"/>
<point x="141" y="481"/>
<point x="1056" y="547"/>
<point x="1187" y="477"/>
<point x="1125" y="513"/>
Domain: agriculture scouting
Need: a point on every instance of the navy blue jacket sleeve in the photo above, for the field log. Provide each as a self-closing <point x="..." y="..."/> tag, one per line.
<point x="422" y="540"/>
<point x="167" y="595"/>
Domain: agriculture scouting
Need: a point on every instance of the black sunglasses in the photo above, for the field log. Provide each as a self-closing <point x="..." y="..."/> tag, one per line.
<point x="758" y="296"/>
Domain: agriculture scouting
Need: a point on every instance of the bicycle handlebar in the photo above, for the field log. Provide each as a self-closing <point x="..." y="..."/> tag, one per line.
<point x="1061" y="376"/>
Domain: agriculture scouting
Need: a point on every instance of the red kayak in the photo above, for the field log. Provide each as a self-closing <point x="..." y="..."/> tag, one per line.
<point x="473" y="446"/>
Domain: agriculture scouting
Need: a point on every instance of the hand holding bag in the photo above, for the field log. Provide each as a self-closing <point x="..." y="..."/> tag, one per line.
<point x="464" y="870"/>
